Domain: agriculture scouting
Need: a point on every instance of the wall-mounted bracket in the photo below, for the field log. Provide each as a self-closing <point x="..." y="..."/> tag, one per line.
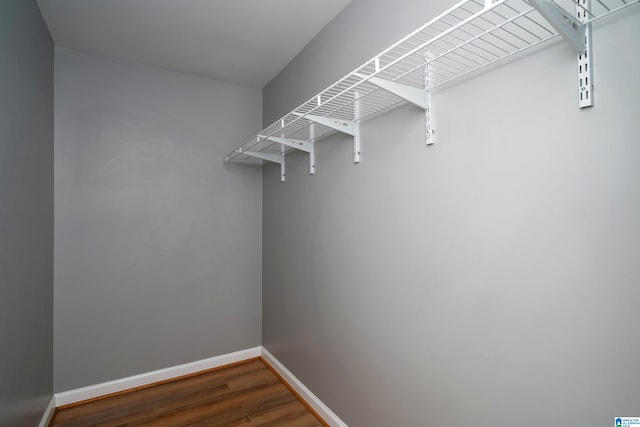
<point x="585" y="63"/>
<point x="356" y="134"/>
<point x="270" y="157"/>
<point x="430" y="132"/>
<point x="344" y="126"/>
<point x="349" y="127"/>
<point x="578" y="34"/>
<point x="416" y="96"/>
<point x="298" y="144"/>
<point x="312" y="149"/>
<point x="411" y="94"/>
<point x="283" y="174"/>
<point x="570" y="28"/>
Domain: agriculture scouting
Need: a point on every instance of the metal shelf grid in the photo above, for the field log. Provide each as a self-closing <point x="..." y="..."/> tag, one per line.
<point x="466" y="38"/>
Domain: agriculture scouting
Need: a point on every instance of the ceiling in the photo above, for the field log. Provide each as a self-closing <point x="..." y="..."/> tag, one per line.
<point x="247" y="42"/>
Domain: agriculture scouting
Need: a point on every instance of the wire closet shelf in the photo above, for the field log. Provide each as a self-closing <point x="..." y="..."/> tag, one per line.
<point x="466" y="38"/>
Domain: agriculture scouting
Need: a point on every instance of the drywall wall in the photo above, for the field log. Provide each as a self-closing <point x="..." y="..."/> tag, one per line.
<point x="26" y="214"/>
<point x="158" y="242"/>
<point x="492" y="277"/>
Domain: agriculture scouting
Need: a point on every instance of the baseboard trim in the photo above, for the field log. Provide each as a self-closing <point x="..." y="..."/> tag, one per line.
<point x="48" y="413"/>
<point x="88" y="393"/>
<point x="100" y="390"/>
<point x="311" y="399"/>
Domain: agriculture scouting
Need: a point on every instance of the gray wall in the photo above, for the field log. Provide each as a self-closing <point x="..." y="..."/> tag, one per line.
<point x="26" y="214"/>
<point x="489" y="278"/>
<point x="158" y="243"/>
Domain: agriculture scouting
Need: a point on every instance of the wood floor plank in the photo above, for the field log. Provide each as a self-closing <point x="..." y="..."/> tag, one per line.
<point x="246" y="394"/>
<point x="202" y="409"/>
<point x="177" y="387"/>
<point x="278" y="414"/>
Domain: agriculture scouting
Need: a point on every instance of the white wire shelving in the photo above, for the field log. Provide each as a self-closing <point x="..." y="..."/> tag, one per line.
<point x="466" y="38"/>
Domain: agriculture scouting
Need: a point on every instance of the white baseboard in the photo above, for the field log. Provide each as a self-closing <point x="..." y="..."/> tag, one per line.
<point x="311" y="399"/>
<point x="48" y="413"/>
<point x="98" y="390"/>
<point x="90" y="392"/>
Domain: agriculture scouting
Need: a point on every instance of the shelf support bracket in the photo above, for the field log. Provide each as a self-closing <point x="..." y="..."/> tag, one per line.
<point x="585" y="62"/>
<point x="569" y="27"/>
<point x="356" y="133"/>
<point x="312" y="149"/>
<point x="428" y="112"/>
<point x="416" y="96"/>
<point x="269" y="157"/>
<point x="298" y="144"/>
<point x="349" y="127"/>
<point x="408" y="93"/>
<point x="344" y="126"/>
<point x="283" y="170"/>
<point x="578" y="34"/>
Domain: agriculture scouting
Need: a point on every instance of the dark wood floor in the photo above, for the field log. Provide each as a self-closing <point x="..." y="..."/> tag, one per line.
<point x="246" y="394"/>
